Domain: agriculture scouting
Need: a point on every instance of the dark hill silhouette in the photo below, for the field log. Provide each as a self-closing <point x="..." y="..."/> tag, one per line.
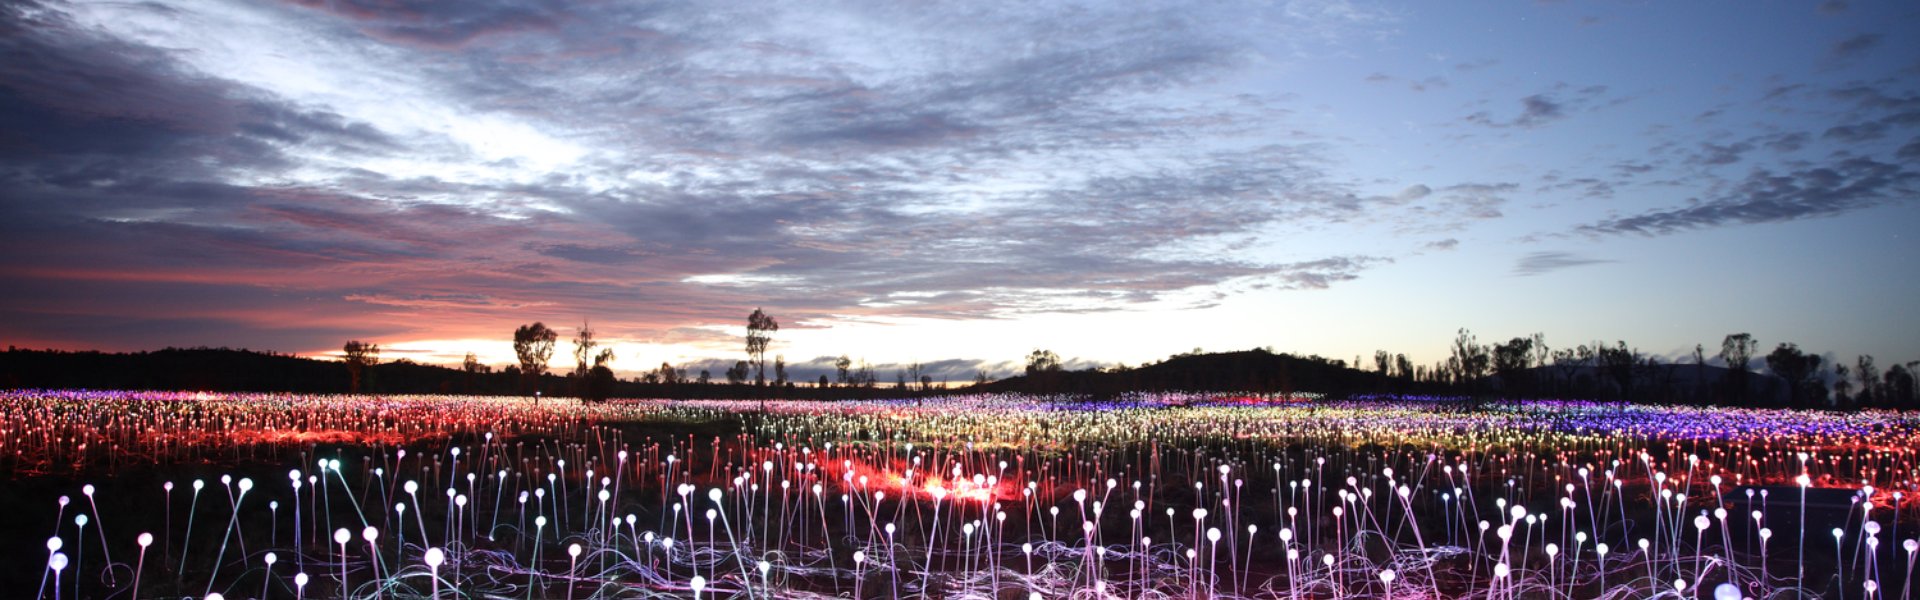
<point x="1252" y="371"/>
<point x="1256" y="371"/>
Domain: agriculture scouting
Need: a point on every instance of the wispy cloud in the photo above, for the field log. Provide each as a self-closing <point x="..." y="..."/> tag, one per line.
<point x="1766" y="196"/>
<point x="1540" y="263"/>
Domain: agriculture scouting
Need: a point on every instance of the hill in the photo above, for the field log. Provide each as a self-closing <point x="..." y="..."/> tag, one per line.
<point x="1257" y="371"/>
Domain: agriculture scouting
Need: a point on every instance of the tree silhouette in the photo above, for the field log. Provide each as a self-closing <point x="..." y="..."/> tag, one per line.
<point x="1618" y="363"/>
<point x="583" y="345"/>
<point x="358" y="356"/>
<point x="738" y="373"/>
<point x="1043" y="361"/>
<point x="1568" y="361"/>
<point x="1869" y="375"/>
<point x="1737" y="349"/>
<point x="1469" y="361"/>
<point x="1842" y="386"/>
<point x="760" y="328"/>
<point x="1510" y="362"/>
<point x="1788" y="362"/>
<point x="1898" y="389"/>
<point x="533" y="345"/>
<point x="842" y="368"/>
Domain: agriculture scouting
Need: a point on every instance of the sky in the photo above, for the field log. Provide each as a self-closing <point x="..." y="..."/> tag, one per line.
<point x="958" y="184"/>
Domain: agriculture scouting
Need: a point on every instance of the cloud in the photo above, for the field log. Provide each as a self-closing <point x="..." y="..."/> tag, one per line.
<point x="1855" y="46"/>
<point x="1848" y="185"/>
<point x="1540" y="109"/>
<point x="654" y="168"/>
<point x="1539" y="263"/>
<point x="1712" y="154"/>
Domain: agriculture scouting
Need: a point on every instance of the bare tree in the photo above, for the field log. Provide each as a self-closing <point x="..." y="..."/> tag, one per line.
<point x="842" y="367"/>
<point x="1737" y="349"/>
<point x="1869" y="375"/>
<point x="760" y="328"/>
<point x="1842" y="386"/>
<point x="1568" y="362"/>
<point x="583" y="345"/>
<point x="533" y="345"/>
<point x="358" y="356"/>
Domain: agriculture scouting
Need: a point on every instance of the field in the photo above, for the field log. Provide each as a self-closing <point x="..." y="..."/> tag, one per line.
<point x="168" y="495"/>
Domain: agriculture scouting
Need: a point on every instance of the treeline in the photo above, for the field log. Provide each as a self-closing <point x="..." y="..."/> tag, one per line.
<point x="243" y="370"/>
<point x="1526" y="367"/>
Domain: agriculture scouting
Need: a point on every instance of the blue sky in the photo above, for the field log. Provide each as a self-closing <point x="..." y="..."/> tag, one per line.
<point x="959" y="183"/>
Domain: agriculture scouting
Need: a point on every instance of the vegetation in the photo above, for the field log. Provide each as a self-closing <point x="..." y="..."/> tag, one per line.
<point x="1523" y="367"/>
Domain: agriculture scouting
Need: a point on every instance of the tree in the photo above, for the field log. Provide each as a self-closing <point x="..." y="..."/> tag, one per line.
<point x="1568" y="362"/>
<point x="1510" y="362"/>
<point x="1842" y="387"/>
<point x="1618" y="363"/>
<point x="668" y="375"/>
<point x="705" y="377"/>
<point x="1699" y="374"/>
<point x="1470" y="360"/>
<point x="1897" y="391"/>
<point x="533" y="345"/>
<point x="823" y="381"/>
<point x="358" y="356"/>
<point x="1788" y="362"/>
<point x="864" y="375"/>
<point x="471" y="365"/>
<point x="1737" y="349"/>
<point x="583" y="345"/>
<point x="980" y="377"/>
<point x="780" y="370"/>
<point x="760" y="328"/>
<point x="598" y="384"/>
<point x="842" y="366"/>
<point x="1869" y="394"/>
<point x="1403" y="365"/>
<point x="738" y="373"/>
<point x="914" y="375"/>
<point x="1043" y="361"/>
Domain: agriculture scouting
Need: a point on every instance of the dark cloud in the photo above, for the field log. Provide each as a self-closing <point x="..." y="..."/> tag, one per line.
<point x="1714" y="155"/>
<point x="1538" y="110"/>
<point x="1539" y="263"/>
<point x="1765" y="196"/>
<point x="1543" y="108"/>
<point x="1911" y="151"/>
<point x="1855" y="46"/>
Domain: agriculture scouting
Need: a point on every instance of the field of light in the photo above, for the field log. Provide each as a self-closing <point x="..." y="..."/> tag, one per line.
<point x="167" y="495"/>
